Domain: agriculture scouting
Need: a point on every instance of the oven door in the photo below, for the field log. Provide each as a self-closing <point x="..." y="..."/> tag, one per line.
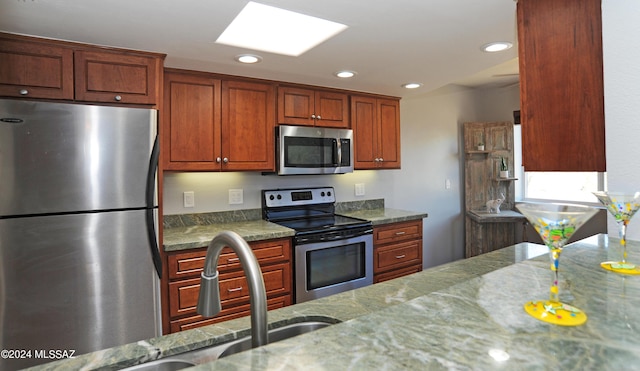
<point x="329" y="267"/>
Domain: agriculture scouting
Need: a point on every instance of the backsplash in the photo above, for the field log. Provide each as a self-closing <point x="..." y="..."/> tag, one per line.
<point x="187" y="220"/>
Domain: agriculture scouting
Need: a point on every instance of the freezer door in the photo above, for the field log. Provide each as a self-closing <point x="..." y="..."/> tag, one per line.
<point x="79" y="282"/>
<point x="60" y="157"/>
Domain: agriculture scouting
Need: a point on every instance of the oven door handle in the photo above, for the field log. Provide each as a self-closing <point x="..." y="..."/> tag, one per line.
<point x="333" y="236"/>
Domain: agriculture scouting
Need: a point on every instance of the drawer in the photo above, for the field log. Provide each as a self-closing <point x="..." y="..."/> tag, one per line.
<point x="190" y="264"/>
<point x="397" y="273"/>
<point x="397" y="232"/>
<point x="397" y="255"/>
<point x="227" y="313"/>
<point x="183" y="295"/>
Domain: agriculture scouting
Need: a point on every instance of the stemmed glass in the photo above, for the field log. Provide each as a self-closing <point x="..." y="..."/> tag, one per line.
<point x="555" y="223"/>
<point x="622" y="206"/>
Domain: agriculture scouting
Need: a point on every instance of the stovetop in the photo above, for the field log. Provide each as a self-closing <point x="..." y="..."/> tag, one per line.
<point x="306" y="210"/>
<point x="320" y="224"/>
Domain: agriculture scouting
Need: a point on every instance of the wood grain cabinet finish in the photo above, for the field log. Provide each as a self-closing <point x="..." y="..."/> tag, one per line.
<point x="35" y="70"/>
<point x="376" y="129"/>
<point x="561" y="85"/>
<point x="117" y="77"/>
<point x="191" y="121"/>
<point x="397" y="250"/>
<point x="308" y="107"/>
<point x="211" y="124"/>
<point x="274" y="257"/>
<point x="47" y="69"/>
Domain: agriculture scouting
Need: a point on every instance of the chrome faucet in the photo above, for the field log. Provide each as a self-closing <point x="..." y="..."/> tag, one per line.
<point x="209" y="296"/>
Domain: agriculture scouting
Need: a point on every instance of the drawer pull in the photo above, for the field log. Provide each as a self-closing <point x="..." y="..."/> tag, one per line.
<point x="400" y="256"/>
<point x="400" y="233"/>
<point x="235" y="290"/>
<point x="232" y="260"/>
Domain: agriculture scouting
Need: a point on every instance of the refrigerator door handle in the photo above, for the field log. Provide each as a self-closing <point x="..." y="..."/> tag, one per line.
<point x="151" y="207"/>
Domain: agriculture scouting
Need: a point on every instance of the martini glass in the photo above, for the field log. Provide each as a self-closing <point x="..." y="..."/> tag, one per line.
<point x="555" y="223"/>
<point x="622" y="206"/>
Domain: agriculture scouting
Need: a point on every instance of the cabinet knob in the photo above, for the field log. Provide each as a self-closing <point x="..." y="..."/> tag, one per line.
<point x="225" y="160"/>
<point x="218" y="159"/>
<point x="118" y="98"/>
<point x="24" y="92"/>
<point x="381" y="159"/>
<point x="313" y="117"/>
<point x="319" y="117"/>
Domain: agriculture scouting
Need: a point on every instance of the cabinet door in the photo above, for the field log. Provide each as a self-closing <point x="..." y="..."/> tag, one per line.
<point x="561" y="85"/>
<point x="35" y="70"/>
<point x="295" y="106"/>
<point x="116" y="77"/>
<point x="389" y="133"/>
<point x="191" y="122"/>
<point x="363" y="123"/>
<point x="331" y="109"/>
<point x="248" y="126"/>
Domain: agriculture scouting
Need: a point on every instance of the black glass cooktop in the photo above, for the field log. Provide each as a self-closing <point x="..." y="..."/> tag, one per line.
<point x="323" y="223"/>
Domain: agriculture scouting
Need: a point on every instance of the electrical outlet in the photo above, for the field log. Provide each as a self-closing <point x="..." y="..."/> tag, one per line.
<point x="189" y="199"/>
<point x="359" y="189"/>
<point x="235" y="197"/>
<point x="447" y="184"/>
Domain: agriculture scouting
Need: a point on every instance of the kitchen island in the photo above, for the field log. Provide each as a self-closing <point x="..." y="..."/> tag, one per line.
<point x="463" y="315"/>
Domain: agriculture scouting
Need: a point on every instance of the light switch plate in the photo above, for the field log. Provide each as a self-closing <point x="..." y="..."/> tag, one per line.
<point x="359" y="189"/>
<point x="189" y="199"/>
<point x="235" y="197"/>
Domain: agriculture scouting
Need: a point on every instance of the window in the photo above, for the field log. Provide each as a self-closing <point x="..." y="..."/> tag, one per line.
<point x="554" y="186"/>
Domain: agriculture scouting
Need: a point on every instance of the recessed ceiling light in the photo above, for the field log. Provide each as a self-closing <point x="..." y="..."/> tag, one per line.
<point x="496" y="46"/>
<point x="412" y="85"/>
<point x="275" y="30"/>
<point x="248" y="58"/>
<point x="345" y="74"/>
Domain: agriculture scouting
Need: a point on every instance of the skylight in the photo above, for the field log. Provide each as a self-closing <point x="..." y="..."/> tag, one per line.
<point x="270" y="29"/>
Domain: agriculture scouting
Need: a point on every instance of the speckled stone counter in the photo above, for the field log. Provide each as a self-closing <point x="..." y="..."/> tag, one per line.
<point x="189" y="231"/>
<point x="455" y="316"/>
<point x="504" y="216"/>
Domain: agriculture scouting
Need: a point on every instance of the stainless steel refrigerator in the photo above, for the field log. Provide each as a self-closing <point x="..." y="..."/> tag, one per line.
<point x="79" y="258"/>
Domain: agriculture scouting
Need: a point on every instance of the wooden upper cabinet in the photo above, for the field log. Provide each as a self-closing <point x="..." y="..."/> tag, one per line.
<point x="191" y="122"/>
<point x="561" y="85"/>
<point x="39" y="68"/>
<point x="308" y="107"/>
<point x="35" y="70"/>
<point x="116" y="77"/>
<point x="209" y="124"/>
<point x="248" y="126"/>
<point x="376" y="129"/>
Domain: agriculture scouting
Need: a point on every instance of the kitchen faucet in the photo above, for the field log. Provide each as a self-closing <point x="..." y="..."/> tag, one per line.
<point x="209" y="296"/>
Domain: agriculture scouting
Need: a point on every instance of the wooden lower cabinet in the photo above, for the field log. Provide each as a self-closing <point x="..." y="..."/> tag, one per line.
<point x="397" y="250"/>
<point x="185" y="267"/>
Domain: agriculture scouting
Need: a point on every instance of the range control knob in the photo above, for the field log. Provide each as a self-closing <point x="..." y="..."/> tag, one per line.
<point x="271" y="197"/>
<point x="279" y="197"/>
<point x="322" y="194"/>
<point x="329" y="194"/>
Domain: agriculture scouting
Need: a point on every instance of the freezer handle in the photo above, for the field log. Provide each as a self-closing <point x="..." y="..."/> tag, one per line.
<point x="151" y="225"/>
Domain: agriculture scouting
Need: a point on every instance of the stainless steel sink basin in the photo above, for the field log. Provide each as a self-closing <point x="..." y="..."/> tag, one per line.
<point x="162" y="365"/>
<point x="209" y="354"/>
<point x="212" y="353"/>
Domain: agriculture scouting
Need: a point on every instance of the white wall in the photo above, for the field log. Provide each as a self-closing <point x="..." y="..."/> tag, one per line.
<point x="620" y="31"/>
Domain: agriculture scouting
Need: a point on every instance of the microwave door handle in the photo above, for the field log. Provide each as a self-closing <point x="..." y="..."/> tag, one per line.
<point x="337" y="148"/>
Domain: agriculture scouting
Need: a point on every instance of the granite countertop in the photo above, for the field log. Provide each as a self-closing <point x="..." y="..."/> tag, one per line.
<point x="384" y="215"/>
<point x="189" y="232"/>
<point x="504" y="216"/>
<point x="448" y="317"/>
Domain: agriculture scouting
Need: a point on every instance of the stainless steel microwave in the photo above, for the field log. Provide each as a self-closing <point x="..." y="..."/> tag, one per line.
<point x="313" y="150"/>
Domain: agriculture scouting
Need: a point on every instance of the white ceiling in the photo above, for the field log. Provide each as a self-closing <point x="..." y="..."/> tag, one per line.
<point x="388" y="42"/>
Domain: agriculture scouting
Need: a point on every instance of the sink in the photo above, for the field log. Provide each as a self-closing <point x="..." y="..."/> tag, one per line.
<point x="162" y="365"/>
<point x="214" y="352"/>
